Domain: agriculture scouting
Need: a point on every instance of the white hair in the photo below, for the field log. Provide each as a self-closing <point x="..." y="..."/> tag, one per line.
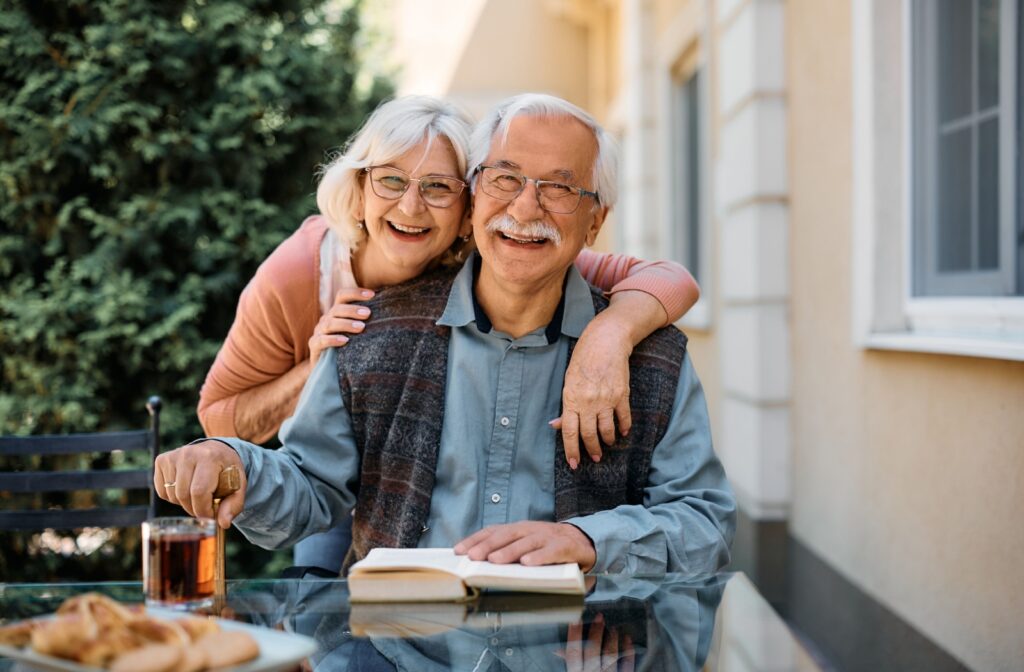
<point x="500" y="118"/>
<point x="393" y="129"/>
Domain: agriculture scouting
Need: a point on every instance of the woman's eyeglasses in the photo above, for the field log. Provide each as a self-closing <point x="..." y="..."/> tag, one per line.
<point x="436" y="190"/>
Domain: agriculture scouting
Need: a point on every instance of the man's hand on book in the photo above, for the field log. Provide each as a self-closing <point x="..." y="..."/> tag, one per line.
<point x="530" y="543"/>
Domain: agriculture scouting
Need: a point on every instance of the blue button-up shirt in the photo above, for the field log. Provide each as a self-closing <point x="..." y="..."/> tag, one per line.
<point x="495" y="461"/>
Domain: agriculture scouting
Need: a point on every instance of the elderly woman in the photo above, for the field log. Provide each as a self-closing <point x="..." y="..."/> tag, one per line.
<point x="393" y="204"/>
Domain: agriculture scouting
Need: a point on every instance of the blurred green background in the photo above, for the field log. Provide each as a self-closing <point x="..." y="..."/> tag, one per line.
<point x="151" y="155"/>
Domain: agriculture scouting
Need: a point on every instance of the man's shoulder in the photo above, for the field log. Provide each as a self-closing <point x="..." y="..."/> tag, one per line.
<point x="665" y="348"/>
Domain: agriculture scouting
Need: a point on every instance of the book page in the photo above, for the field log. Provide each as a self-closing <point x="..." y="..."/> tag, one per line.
<point x="541" y="574"/>
<point x="564" y="579"/>
<point x="393" y="559"/>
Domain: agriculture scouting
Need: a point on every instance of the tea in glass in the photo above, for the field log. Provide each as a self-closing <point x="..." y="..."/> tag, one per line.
<point x="178" y="561"/>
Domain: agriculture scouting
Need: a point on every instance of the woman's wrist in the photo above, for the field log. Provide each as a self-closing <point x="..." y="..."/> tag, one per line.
<point x="617" y="335"/>
<point x="634" y="314"/>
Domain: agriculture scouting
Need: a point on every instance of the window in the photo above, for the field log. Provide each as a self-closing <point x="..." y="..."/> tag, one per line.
<point x="689" y="236"/>
<point x="937" y="234"/>
<point x="688" y="175"/>
<point x="966" y="235"/>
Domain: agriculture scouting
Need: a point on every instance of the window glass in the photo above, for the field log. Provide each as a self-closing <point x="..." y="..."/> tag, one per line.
<point x="689" y="178"/>
<point x="693" y="174"/>
<point x="954" y="196"/>
<point x="963" y="111"/>
<point x="954" y="58"/>
<point x="988" y="53"/>
<point x="988" y="195"/>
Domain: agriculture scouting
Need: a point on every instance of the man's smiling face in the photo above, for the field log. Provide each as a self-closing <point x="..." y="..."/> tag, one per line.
<point x="519" y="241"/>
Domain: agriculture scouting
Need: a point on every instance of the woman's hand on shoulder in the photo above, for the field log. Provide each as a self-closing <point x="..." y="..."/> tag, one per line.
<point x="344" y="317"/>
<point x="595" y="396"/>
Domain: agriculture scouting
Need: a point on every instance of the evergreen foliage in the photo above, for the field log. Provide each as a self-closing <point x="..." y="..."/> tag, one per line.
<point x="152" y="153"/>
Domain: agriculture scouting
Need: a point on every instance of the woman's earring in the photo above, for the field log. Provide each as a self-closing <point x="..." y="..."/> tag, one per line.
<point x="360" y="225"/>
<point x="460" y="255"/>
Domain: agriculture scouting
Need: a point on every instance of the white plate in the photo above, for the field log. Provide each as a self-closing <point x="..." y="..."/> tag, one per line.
<point x="278" y="650"/>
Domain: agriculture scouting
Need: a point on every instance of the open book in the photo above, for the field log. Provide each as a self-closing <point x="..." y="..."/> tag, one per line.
<point x="438" y="575"/>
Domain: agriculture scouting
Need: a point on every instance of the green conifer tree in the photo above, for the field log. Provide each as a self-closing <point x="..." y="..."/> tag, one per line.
<point x="152" y="153"/>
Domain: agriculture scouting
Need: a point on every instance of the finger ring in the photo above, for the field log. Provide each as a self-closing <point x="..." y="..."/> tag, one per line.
<point x="169" y="485"/>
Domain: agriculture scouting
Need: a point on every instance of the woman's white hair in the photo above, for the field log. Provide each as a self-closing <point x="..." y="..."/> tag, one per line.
<point x="393" y="129"/>
<point x="500" y="118"/>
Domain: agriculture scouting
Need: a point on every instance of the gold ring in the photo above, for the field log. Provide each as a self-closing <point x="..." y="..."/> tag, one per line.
<point x="169" y="485"/>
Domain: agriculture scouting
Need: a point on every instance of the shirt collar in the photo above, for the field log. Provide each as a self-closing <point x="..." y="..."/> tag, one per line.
<point x="575" y="308"/>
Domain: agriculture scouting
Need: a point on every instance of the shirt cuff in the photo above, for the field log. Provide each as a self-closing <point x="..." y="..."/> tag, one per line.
<point x="621" y="545"/>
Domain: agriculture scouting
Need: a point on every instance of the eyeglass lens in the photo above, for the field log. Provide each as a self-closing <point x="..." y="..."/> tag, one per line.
<point x="436" y="190"/>
<point x="553" y="196"/>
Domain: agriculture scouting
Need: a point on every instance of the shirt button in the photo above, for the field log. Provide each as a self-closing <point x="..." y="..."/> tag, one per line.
<point x="505" y="421"/>
<point x="509" y="652"/>
<point x="495" y="498"/>
<point x="494" y="641"/>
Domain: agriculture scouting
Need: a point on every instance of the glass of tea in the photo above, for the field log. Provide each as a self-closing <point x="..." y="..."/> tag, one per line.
<point x="178" y="559"/>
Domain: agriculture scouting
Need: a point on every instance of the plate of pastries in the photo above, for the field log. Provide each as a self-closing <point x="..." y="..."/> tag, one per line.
<point x="93" y="633"/>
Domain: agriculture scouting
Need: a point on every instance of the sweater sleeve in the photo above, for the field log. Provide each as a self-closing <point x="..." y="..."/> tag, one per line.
<point x="670" y="283"/>
<point x="276" y="315"/>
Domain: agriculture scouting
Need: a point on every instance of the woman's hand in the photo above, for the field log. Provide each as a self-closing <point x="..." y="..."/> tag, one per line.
<point x="342" y="318"/>
<point x="596" y="390"/>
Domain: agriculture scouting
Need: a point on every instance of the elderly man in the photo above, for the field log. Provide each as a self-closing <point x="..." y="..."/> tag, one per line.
<point x="431" y="427"/>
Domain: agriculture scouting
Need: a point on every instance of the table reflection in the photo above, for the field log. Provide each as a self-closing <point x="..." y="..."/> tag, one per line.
<point x="623" y="623"/>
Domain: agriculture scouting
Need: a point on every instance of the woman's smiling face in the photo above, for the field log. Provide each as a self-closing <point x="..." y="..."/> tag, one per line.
<point x="405" y="234"/>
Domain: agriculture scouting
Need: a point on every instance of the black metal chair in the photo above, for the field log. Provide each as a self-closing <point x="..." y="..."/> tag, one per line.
<point x="147" y="440"/>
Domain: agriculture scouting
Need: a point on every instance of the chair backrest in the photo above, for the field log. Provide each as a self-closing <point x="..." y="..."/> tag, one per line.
<point x="147" y="440"/>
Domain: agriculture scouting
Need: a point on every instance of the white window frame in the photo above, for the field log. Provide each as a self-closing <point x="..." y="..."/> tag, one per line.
<point x="688" y="31"/>
<point x="886" y="314"/>
<point x="978" y="282"/>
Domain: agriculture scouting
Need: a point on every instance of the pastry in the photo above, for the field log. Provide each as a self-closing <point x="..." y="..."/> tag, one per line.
<point x="149" y="658"/>
<point x="229" y="647"/>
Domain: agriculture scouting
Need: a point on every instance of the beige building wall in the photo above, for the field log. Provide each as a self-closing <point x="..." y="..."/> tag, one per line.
<point x="908" y="469"/>
<point x="478" y="52"/>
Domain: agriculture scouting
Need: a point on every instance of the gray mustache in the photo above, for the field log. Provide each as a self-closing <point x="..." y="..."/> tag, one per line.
<point x="535" y="230"/>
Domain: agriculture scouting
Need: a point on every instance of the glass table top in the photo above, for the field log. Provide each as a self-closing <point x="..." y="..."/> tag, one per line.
<point x="668" y="622"/>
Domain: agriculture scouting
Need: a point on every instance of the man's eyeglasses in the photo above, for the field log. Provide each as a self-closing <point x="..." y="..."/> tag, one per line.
<point x="554" y="197"/>
<point x="436" y="190"/>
